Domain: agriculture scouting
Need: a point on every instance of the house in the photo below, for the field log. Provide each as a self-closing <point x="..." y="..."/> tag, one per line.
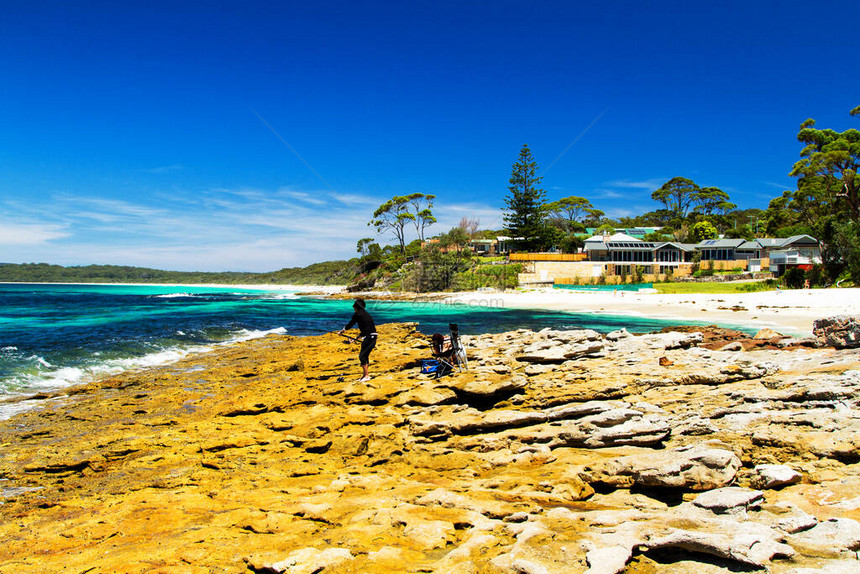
<point x="626" y="253"/>
<point x="720" y="249"/>
<point x="777" y="254"/>
<point x="501" y="245"/>
<point x="800" y="251"/>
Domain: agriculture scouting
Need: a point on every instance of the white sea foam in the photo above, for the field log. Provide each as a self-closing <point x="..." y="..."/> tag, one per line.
<point x="173" y="295"/>
<point x="10" y="348"/>
<point x="51" y="380"/>
<point x="281" y="296"/>
<point x="246" y="335"/>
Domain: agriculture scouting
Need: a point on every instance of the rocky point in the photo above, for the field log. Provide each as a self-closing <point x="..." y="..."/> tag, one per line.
<point x="556" y="451"/>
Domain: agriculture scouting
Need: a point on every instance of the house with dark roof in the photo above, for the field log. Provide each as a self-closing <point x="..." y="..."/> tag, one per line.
<point x="778" y="254"/>
<point x="800" y="251"/>
<point x="623" y="255"/>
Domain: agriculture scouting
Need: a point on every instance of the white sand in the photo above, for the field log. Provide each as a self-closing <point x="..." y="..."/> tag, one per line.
<point x="788" y="312"/>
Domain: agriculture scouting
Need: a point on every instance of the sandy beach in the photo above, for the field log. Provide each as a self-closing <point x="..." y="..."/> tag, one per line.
<point x="788" y="312"/>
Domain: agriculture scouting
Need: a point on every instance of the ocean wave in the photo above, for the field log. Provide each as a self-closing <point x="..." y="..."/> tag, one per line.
<point x="173" y="295"/>
<point x="247" y="335"/>
<point x="280" y="296"/>
<point x="43" y="376"/>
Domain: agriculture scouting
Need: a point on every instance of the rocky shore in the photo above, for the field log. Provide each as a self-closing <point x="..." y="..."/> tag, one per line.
<point x="557" y="451"/>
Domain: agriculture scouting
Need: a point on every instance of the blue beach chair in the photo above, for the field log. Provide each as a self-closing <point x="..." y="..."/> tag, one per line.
<point x="449" y="352"/>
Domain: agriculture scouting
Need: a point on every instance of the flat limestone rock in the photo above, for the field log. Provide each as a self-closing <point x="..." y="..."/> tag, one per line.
<point x="487" y="388"/>
<point x="425" y="396"/>
<point x="307" y="561"/>
<point x="754" y="546"/>
<point x="550" y="346"/>
<point x="729" y="499"/>
<point x="767" y="334"/>
<point x="550" y="352"/>
<point x="831" y="538"/>
<point x="772" y="476"/>
<point x="691" y="468"/>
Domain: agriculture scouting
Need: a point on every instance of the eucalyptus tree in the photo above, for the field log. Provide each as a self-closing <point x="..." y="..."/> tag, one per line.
<point x="828" y="192"/>
<point x="569" y="211"/>
<point x="394" y="216"/>
<point x="679" y="195"/>
<point x="421" y="205"/>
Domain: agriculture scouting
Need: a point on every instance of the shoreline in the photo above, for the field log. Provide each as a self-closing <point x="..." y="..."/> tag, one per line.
<point x="788" y="312"/>
<point x="260" y="286"/>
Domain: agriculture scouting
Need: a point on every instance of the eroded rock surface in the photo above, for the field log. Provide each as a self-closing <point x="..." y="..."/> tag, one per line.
<point x="557" y="451"/>
<point x="841" y="331"/>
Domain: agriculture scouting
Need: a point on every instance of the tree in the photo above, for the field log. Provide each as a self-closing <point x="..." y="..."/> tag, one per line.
<point x="469" y="225"/>
<point x="569" y="211"/>
<point x="681" y="196"/>
<point x="703" y="230"/>
<point x="827" y="200"/>
<point x="421" y="205"/>
<point x="605" y="229"/>
<point x="848" y="246"/>
<point x="678" y="194"/>
<point x="525" y="212"/>
<point x="369" y="250"/>
<point x="594" y="219"/>
<point x="832" y="159"/>
<point x="711" y="200"/>
<point x="393" y="215"/>
<point x="457" y="238"/>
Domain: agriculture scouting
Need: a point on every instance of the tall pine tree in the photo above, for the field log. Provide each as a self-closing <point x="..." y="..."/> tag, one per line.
<point x="525" y="214"/>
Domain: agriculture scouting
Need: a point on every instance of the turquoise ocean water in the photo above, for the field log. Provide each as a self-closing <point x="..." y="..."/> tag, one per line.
<point x="52" y="336"/>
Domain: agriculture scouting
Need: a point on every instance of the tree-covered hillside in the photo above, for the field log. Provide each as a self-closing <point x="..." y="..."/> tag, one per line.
<point x="325" y="273"/>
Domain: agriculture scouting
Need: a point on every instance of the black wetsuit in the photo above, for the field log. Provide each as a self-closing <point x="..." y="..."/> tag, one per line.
<point x="367" y="328"/>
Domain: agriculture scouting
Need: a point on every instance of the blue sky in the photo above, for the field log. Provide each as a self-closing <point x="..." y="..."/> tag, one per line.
<point x="252" y="136"/>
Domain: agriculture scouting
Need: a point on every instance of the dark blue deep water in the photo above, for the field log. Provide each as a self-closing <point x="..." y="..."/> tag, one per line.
<point x="56" y="335"/>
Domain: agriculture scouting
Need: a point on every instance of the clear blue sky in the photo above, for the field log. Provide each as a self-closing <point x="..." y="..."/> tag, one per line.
<point x="252" y="135"/>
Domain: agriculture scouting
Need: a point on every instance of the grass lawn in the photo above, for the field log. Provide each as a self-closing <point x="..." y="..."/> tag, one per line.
<point x="690" y="288"/>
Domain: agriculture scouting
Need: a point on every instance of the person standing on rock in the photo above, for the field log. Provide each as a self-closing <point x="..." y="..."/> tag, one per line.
<point x="367" y="329"/>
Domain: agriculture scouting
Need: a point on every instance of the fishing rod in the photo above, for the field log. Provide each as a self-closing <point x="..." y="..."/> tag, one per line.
<point x="345" y="336"/>
<point x="329" y="331"/>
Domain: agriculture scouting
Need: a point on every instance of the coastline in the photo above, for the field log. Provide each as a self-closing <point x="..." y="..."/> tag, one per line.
<point x="790" y="312"/>
<point x="260" y="286"/>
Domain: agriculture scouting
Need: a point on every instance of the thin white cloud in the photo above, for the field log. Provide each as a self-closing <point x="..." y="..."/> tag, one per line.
<point x="649" y="184"/>
<point x="611" y="194"/>
<point x="244" y="229"/>
<point x="779" y="186"/>
<point x="304" y="196"/>
<point x="15" y="234"/>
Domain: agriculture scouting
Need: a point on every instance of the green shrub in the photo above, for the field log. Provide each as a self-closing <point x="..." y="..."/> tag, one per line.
<point x="794" y="278"/>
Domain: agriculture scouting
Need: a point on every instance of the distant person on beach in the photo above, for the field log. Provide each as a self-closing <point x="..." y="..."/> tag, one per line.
<point x="367" y="329"/>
